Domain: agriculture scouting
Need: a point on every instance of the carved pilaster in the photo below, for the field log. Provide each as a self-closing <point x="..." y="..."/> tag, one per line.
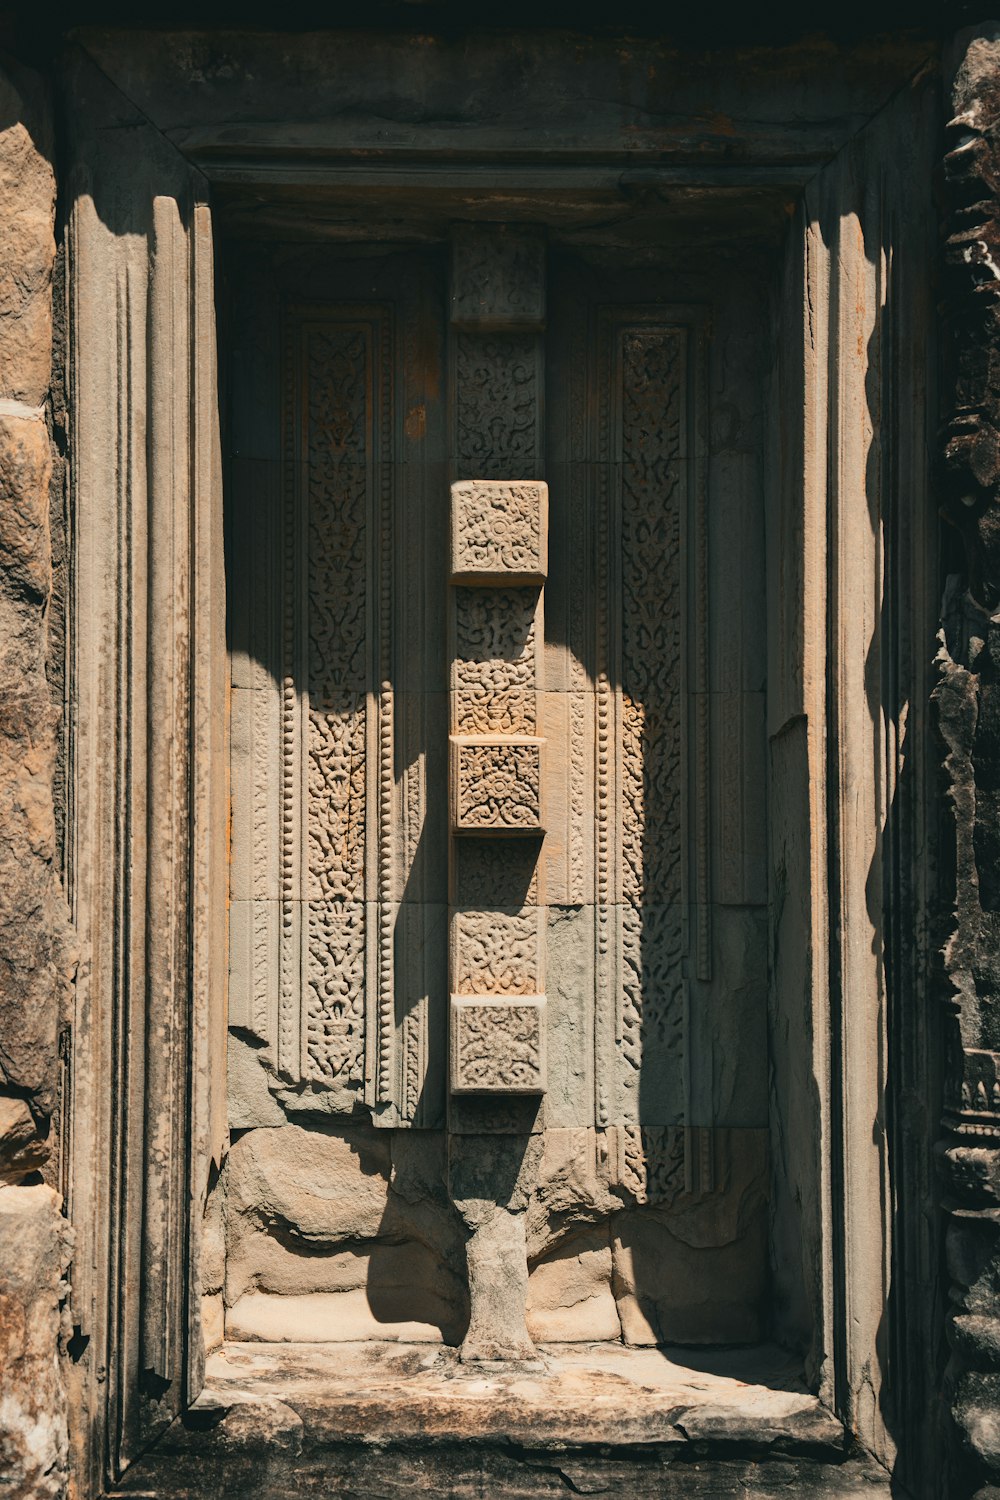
<point x="967" y="699"/>
<point x="497" y="948"/>
<point x="498" y="562"/>
<point x="497" y="918"/>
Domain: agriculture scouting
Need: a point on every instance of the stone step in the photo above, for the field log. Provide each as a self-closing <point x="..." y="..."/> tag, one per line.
<point x="394" y="1419"/>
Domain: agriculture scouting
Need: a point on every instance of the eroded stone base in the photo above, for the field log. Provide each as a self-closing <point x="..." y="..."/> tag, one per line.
<point x="337" y="1232"/>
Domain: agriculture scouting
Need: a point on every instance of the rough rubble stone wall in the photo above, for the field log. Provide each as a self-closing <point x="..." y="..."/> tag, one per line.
<point x="35" y="953"/>
<point x="968" y="714"/>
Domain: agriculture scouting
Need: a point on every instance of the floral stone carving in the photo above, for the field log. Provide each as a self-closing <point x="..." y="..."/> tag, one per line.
<point x="498" y="531"/>
<point x="498" y="1046"/>
<point x="498" y="952"/>
<point x="496" y="785"/>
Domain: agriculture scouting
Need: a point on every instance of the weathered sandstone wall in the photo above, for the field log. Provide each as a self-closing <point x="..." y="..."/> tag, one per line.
<point x="35" y="954"/>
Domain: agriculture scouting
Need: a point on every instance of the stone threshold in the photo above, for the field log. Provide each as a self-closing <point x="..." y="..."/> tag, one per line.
<point x="577" y="1394"/>
<point x="384" y="1420"/>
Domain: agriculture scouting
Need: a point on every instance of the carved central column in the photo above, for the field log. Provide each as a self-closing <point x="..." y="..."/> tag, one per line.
<point x="499" y="520"/>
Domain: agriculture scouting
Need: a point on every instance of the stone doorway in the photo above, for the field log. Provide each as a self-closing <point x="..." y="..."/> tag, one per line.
<point x="792" y="266"/>
<point x="498" y="958"/>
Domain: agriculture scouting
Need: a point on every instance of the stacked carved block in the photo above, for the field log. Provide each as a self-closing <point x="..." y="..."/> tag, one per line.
<point x="497" y="567"/>
<point x="495" y="771"/>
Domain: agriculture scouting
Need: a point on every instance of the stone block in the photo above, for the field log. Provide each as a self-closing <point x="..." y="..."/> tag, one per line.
<point x="669" y="1292"/>
<point x="497" y="276"/>
<point x="25" y="471"/>
<point x="251" y="1102"/>
<point x="498" y="531"/>
<point x="570" y="1300"/>
<point x="327" y="1186"/>
<point x="498" y="952"/>
<point x="345" y="1317"/>
<point x="496" y="785"/>
<point x="21" y="1150"/>
<point x="569" y="1015"/>
<point x="341" y="1234"/>
<point x="35" y="1243"/>
<point x="497" y="1046"/>
<point x="373" y="1289"/>
<point x="496" y="659"/>
<point x="27" y="245"/>
<point x="574" y="1190"/>
<point x="493" y="873"/>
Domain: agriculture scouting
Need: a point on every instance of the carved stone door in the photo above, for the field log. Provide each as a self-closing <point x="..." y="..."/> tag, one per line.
<point x="480" y="763"/>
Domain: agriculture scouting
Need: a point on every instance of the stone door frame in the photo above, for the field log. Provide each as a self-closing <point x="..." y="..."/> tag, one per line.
<point x="148" y="763"/>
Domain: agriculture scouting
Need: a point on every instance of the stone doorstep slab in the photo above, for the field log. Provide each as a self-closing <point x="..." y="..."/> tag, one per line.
<point x="583" y="1395"/>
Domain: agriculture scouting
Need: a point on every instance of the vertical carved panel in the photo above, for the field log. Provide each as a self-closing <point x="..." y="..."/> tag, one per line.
<point x="646" y="834"/>
<point x="339" y="813"/>
<point x="336" y="778"/>
<point x="334" y="1001"/>
<point x="336" y="459"/>
<point x="336" y="464"/>
<point x="498" y="422"/>
<point x="652" y="372"/>
<point x="498" y="563"/>
<point x="496" y="660"/>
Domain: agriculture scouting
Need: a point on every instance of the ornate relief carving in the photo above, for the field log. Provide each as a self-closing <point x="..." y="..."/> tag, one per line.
<point x="652" y="992"/>
<point x="386" y="733"/>
<point x="263" y="725"/>
<point x="652" y="369"/>
<point x="497" y="276"/>
<point x="338" y="430"/>
<point x="641" y="837"/>
<point x="652" y="1163"/>
<point x="498" y="531"/>
<point x="340" y="397"/>
<point x="498" y="390"/>
<point x="495" y="638"/>
<point x="496" y="785"/>
<point x="972" y="1093"/>
<point x="289" y="960"/>
<point x="494" y="669"/>
<point x="495" y="713"/>
<point x="499" y="524"/>
<point x="414" y="1060"/>
<point x="338" y="401"/>
<point x="334" y="1004"/>
<point x="498" y="1046"/>
<point x="494" y="872"/>
<point x="578" y="749"/>
<point x="497" y="952"/>
<point x="336" y="818"/>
